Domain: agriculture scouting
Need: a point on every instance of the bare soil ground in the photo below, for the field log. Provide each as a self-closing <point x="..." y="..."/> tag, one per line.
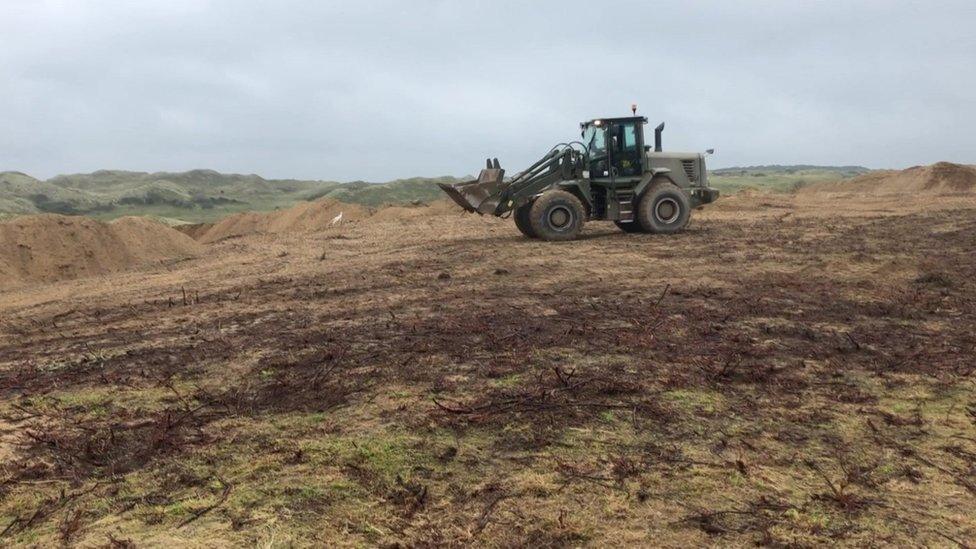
<point x="791" y="371"/>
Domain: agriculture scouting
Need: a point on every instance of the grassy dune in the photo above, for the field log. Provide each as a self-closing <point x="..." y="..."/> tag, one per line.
<point x="205" y="195"/>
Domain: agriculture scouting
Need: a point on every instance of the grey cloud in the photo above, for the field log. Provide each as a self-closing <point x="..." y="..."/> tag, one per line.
<point x="377" y="90"/>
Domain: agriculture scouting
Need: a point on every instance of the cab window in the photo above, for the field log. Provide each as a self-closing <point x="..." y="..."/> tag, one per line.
<point x="595" y="139"/>
<point x="630" y="137"/>
<point x="624" y="137"/>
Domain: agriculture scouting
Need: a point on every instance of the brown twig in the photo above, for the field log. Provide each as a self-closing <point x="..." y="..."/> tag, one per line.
<point x="452" y="410"/>
<point x="199" y="513"/>
<point x="486" y="514"/>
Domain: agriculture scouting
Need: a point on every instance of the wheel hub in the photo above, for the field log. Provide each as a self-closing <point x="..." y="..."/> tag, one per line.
<point x="667" y="210"/>
<point x="560" y="217"/>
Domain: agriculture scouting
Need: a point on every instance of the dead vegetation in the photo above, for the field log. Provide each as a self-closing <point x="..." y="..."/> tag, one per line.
<point x="761" y="379"/>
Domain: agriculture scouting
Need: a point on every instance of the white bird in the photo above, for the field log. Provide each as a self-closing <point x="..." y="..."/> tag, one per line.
<point x="336" y="219"/>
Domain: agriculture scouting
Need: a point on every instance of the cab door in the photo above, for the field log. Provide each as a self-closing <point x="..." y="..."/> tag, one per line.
<point x="627" y="151"/>
<point x="599" y="153"/>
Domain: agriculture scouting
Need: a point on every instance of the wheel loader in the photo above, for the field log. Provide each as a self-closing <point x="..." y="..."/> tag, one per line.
<point x="610" y="174"/>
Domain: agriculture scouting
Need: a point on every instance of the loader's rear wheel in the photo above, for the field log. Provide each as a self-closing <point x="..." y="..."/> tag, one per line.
<point x="557" y="215"/>
<point x="630" y="227"/>
<point x="521" y="216"/>
<point x="663" y="208"/>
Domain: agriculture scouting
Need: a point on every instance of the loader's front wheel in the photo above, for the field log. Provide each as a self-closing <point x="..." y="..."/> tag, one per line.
<point x="521" y="216"/>
<point x="557" y="215"/>
<point x="663" y="208"/>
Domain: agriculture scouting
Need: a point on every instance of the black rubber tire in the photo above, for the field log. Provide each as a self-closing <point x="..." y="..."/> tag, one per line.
<point x="663" y="208"/>
<point x="557" y="215"/>
<point x="631" y="227"/>
<point x="521" y="216"/>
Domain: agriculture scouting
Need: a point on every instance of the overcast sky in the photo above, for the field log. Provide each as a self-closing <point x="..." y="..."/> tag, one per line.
<point x="373" y="90"/>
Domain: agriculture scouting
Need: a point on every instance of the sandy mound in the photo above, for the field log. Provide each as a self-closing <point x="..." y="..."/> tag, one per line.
<point x="311" y="217"/>
<point x="314" y="216"/>
<point x="444" y="207"/>
<point x="408" y="213"/>
<point x="240" y="224"/>
<point x="307" y="216"/>
<point x="398" y="213"/>
<point x="147" y="240"/>
<point x="194" y="230"/>
<point x="47" y="248"/>
<point x="939" y="178"/>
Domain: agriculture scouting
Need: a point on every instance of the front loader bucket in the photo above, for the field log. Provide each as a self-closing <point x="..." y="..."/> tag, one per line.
<point x="480" y="195"/>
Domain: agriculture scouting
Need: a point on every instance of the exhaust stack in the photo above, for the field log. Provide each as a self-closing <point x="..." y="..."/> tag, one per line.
<point x="657" y="137"/>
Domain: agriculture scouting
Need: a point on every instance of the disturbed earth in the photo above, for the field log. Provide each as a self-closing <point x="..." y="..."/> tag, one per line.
<point x="792" y="370"/>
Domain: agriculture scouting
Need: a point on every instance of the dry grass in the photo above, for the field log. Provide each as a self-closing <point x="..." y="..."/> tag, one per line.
<point x="783" y="373"/>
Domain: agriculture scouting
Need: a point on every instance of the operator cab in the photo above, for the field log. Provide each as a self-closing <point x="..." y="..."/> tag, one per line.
<point x="615" y="147"/>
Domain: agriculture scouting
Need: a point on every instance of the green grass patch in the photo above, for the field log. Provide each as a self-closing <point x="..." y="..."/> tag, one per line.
<point x="696" y="400"/>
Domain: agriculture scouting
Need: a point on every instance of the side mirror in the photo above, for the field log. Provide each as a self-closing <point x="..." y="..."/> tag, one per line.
<point x="709" y="151"/>
<point x="615" y="142"/>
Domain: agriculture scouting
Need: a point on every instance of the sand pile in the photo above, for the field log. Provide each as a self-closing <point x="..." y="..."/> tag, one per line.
<point x="310" y="217"/>
<point x="194" y="230"/>
<point x="314" y="216"/>
<point x="409" y="213"/>
<point x="307" y="216"/>
<point x="49" y="247"/>
<point x="939" y="178"/>
<point x="147" y="241"/>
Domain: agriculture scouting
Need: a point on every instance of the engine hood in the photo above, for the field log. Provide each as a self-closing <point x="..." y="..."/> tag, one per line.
<point x="674" y="155"/>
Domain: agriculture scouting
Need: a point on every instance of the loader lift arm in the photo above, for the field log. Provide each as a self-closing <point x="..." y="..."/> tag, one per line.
<point x="491" y="194"/>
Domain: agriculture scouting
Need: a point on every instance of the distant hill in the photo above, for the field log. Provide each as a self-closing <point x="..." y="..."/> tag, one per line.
<point x="779" y="178"/>
<point x="400" y="191"/>
<point x="790" y="169"/>
<point x="193" y="196"/>
<point x="205" y="195"/>
<point x="21" y="193"/>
